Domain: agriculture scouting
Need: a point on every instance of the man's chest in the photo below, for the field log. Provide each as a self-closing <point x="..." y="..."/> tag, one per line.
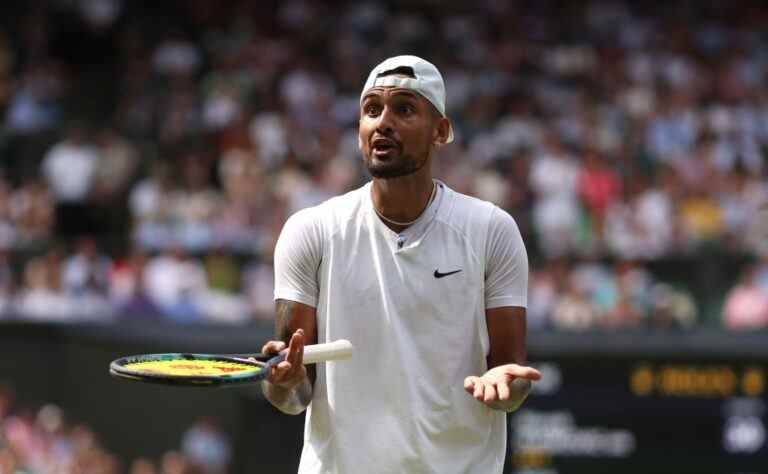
<point x="439" y="276"/>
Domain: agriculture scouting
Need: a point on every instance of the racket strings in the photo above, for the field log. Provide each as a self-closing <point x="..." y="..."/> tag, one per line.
<point x="192" y="368"/>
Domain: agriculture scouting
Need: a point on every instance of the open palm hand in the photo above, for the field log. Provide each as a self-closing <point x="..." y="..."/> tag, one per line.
<point x="504" y="387"/>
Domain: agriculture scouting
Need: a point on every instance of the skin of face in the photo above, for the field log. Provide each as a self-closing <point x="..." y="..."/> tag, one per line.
<point x="398" y="131"/>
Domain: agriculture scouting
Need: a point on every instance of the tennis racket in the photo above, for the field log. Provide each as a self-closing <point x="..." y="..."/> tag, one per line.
<point x="208" y="370"/>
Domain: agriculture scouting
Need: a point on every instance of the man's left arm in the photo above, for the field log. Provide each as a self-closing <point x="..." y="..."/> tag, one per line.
<point x="507" y="382"/>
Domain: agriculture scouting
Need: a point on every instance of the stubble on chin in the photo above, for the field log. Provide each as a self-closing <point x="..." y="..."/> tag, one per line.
<point x="394" y="167"/>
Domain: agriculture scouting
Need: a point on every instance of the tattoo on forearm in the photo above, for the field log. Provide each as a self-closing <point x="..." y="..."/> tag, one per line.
<point x="292" y="401"/>
<point x="284" y="310"/>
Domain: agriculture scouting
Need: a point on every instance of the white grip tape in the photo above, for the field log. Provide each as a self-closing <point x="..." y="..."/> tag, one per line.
<point x="340" y="349"/>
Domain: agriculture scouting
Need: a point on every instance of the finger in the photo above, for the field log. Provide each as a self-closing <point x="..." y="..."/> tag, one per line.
<point x="274" y="375"/>
<point x="282" y="371"/>
<point x="273" y="347"/>
<point x="294" y="349"/>
<point x="502" y="390"/>
<point x="490" y="393"/>
<point x="523" y="372"/>
<point x="479" y="391"/>
<point x="297" y="343"/>
<point x="469" y="384"/>
<point x="532" y="374"/>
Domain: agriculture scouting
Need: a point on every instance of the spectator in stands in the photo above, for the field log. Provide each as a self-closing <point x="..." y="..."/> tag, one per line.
<point x="554" y="180"/>
<point x="542" y="297"/>
<point x="222" y="271"/>
<point x="69" y="167"/>
<point x="701" y="218"/>
<point x="128" y="292"/>
<point x="629" y="300"/>
<point x="172" y="281"/>
<point x="176" y="55"/>
<point x="599" y="187"/>
<point x="173" y="462"/>
<point x="142" y="466"/>
<point x="238" y="224"/>
<point x="222" y="300"/>
<point x="652" y="212"/>
<point x="573" y="311"/>
<point x="85" y="279"/>
<point x="738" y="208"/>
<point x="118" y="165"/>
<point x="195" y="204"/>
<point x="205" y="444"/>
<point x="87" y="270"/>
<point x="151" y="208"/>
<point x="32" y="212"/>
<point x="746" y="305"/>
<point x="623" y="313"/>
<point x="258" y="285"/>
<point x="125" y="274"/>
<point x="35" y="105"/>
<point x="671" y="308"/>
<point x="41" y="296"/>
<point x="43" y="442"/>
<point x="756" y="238"/>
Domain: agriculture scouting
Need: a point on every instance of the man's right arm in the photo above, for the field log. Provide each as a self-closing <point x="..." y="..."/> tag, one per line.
<point x="298" y="254"/>
<point x="289" y="385"/>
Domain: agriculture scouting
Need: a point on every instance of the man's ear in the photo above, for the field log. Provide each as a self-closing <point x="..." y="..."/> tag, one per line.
<point x="442" y="131"/>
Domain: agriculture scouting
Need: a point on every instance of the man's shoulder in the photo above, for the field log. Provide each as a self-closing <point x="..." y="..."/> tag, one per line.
<point x="472" y="203"/>
<point x="463" y="207"/>
<point x="332" y="210"/>
<point x="347" y="202"/>
<point x="475" y="217"/>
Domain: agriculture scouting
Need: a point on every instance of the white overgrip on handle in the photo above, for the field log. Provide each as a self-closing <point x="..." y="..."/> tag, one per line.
<point x="339" y="349"/>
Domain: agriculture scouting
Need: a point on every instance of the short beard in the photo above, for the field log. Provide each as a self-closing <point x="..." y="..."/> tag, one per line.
<point x="397" y="168"/>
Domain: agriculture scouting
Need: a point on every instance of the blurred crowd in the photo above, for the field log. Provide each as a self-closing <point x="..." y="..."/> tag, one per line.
<point x="46" y="442"/>
<point x="152" y="150"/>
<point x="86" y="284"/>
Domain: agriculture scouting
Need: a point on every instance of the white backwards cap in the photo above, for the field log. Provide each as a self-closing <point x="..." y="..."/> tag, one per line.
<point x="427" y="81"/>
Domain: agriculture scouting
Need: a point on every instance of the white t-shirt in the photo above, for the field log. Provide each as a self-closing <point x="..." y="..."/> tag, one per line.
<point x="413" y="304"/>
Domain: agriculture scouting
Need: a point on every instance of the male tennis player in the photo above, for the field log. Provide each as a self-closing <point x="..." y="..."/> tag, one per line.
<point x="429" y="284"/>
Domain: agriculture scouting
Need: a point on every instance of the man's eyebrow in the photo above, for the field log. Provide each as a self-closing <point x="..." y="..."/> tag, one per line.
<point x="370" y="95"/>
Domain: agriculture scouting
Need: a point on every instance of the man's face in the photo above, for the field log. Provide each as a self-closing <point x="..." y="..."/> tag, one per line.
<point x="398" y="128"/>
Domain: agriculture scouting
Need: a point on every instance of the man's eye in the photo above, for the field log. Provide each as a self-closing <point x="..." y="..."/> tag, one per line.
<point x="372" y="110"/>
<point x="407" y="109"/>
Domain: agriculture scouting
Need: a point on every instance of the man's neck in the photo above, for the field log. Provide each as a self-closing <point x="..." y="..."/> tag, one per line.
<point x="402" y="199"/>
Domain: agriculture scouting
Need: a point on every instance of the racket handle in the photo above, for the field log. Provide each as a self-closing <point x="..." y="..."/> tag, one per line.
<point x="339" y="349"/>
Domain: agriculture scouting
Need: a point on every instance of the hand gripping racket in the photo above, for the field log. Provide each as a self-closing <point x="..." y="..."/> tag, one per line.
<point x="209" y="370"/>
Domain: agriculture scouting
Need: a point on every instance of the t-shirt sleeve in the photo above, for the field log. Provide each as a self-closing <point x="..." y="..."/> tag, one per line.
<point x="298" y="254"/>
<point x="506" y="270"/>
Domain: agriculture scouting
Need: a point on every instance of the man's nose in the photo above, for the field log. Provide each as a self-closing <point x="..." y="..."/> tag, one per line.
<point x="385" y="123"/>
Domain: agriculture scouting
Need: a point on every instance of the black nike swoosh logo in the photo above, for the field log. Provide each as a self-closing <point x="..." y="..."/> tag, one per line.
<point x="441" y="275"/>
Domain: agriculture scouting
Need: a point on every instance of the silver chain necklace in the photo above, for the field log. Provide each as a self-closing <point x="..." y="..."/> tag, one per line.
<point x="431" y="197"/>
